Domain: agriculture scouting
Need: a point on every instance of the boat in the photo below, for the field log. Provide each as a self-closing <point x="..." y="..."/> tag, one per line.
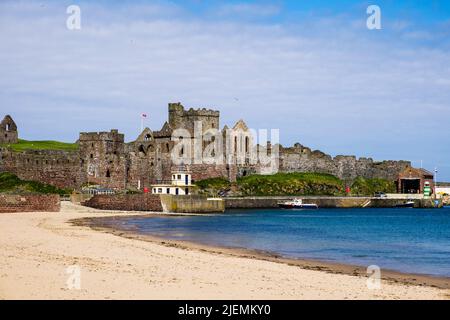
<point x="407" y="204"/>
<point x="297" y="204"/>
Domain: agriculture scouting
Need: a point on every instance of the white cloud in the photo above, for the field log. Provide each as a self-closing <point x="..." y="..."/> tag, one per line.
<point x="328" y="84"/>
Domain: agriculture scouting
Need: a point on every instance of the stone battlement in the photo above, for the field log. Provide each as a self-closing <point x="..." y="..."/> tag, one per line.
<point x="178" y="107"/>
<point x="113" y="135"/>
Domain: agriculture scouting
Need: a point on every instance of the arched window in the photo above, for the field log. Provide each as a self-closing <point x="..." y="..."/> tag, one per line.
<point x="167" y="147"/>
<point x="141" y="149"/>
<point x="8" y="127"/>
<point x="147" y="137"/>
<point x="108" y="174"/>
<point x="247" y="140"/>
<point x="235" y="144"/>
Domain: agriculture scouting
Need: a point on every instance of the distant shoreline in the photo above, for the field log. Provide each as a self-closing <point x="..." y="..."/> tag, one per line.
<point x="97" y="223"/>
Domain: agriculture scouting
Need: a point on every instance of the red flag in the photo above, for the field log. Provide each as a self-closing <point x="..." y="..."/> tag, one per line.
<point x="144" y="115"/>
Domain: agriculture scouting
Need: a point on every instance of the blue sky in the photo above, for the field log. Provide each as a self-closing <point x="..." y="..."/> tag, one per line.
<point x="310" y="68"/>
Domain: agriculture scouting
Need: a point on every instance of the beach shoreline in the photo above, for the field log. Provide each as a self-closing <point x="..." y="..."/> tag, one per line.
<point x="36" y="250"/>
<point x="307" y="264"/>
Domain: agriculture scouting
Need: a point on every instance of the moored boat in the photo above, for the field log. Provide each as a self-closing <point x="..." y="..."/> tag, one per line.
<point x="407" y="204"/>
<point x="297" y="204"/>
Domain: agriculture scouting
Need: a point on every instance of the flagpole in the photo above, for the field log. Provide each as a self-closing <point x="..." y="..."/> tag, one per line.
<point x="143" y="115"/>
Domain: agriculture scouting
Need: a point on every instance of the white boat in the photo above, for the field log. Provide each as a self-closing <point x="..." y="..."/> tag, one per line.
<point x="407" y="204"/>
<point x="297" y="204"/>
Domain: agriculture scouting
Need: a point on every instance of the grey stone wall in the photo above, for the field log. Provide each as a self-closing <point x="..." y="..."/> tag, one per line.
<point x="302" y="159"/>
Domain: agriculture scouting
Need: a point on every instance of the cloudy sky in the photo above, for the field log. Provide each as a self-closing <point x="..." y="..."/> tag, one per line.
<point x="310" y="68"/>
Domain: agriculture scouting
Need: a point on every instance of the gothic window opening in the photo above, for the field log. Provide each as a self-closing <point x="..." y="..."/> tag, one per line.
<point x="8" y="127"/>
<point x="246" y="144"/>
<point x="167" y="147"/>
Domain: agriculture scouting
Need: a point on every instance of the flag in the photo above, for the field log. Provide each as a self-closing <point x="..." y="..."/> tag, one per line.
<point x="144" y="115"/>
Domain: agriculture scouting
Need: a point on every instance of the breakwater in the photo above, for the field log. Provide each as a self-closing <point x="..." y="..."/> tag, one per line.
<point x="326" y="202"/>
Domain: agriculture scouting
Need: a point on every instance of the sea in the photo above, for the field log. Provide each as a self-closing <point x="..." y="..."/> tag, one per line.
<point x="402" y="239"/>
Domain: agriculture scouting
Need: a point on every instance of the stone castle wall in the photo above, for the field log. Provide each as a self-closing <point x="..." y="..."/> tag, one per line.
<point x="302" y="159"/>
<point x="58" y="168"/>
<point x="103" y="158"/>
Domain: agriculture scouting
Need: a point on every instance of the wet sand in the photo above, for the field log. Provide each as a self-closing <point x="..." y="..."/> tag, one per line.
<point x="37" y="248"/>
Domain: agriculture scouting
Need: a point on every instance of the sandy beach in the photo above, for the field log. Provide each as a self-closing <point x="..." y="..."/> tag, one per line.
<point x="36" y="250"/>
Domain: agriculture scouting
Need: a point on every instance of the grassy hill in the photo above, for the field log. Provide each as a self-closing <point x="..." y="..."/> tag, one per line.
<point x="365" y="187"/>
<point x="10" y="183"/>
<point x="283" y="184"/>
<point x="292" y="184"/>
<point x="23" y="145"/>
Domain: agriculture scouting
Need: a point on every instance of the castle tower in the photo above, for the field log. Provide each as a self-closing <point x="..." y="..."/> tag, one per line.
<point x="176" y="112"/>
<point x="8" y="130"/>
<point x="102" y="158"/>
<point x="181" y="118"/>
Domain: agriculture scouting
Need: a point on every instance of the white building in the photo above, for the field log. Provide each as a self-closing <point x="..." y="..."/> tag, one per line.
<point x="181" y="184"/>
<point x="443" y="190"/>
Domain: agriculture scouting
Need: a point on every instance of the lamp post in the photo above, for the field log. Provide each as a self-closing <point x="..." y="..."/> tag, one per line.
<point x="435" y="182"/>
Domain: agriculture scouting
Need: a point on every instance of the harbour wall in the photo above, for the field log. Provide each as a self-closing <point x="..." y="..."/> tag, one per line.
<point x="325" y="202"/>
<point x="125" y="202"/>
<point x="29" y="203"/>
<point x="156" y="203"/>
<point x="191" y="204"/>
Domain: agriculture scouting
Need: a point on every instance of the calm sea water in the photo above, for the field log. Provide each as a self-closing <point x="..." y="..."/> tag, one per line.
<point x="407" y="240"/>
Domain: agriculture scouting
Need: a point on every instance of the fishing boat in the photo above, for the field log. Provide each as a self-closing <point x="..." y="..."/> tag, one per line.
<point x="407" y="204"/>
<point x="297" y="204"/>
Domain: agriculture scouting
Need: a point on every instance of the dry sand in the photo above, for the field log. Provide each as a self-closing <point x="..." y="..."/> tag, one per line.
<point x="37" y="248"/>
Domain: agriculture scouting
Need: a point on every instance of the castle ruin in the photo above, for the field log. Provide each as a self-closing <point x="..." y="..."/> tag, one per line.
<point x="103" y="158"/>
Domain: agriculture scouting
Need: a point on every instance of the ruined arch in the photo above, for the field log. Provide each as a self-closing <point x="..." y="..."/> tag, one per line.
<point x="142" y="149"/>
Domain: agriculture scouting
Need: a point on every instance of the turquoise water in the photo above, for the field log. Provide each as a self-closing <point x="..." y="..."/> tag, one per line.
<point x="406" y="240"/>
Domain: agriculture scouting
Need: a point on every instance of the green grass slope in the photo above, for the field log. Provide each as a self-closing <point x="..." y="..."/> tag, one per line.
<point x="10" y="183"/>
<point x="367" y="187"/>
<point x="23" y="145"/>
<point x="294" y="184"/>
<point x="284" y="184"/>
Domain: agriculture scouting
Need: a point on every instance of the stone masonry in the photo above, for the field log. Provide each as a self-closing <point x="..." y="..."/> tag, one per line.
<point x="29" y="203"/>
<point x="103" y="158"/>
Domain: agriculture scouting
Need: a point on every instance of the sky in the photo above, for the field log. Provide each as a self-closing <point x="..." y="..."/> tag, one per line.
<point x="309" y="68"/>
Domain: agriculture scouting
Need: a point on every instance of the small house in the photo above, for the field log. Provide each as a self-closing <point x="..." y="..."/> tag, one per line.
<point x="181" y="184"/>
